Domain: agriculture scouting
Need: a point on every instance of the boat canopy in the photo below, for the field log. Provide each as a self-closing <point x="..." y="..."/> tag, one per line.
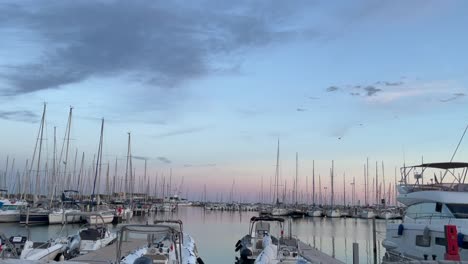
<point x="266" y="218"/>
<point x="442" y="165"/>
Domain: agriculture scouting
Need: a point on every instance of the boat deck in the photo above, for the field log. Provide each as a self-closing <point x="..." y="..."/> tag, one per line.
<point x="315" y="256"/>
<point x="108" y="254"/>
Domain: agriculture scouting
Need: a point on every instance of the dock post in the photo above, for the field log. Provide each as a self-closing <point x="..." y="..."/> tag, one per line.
<point x="355" y="253"/>
<point x="374" y="236"/>
<point x="27" y="216"/>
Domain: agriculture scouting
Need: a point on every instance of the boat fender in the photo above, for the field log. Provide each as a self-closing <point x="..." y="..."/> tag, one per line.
<point x="238" y="243"/>
<point x="400" y="229"/>
<point x="451" y="249"/>
<point x="238" y="247"/>
<point x="200" y="261"/>
<point x="460" y="238"/>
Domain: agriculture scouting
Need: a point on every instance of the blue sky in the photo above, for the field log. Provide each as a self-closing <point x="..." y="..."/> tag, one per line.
<point x="207" y="87"/>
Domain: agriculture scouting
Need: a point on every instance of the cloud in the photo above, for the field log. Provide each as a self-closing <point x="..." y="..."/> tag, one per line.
<point x="454" y="97"/>
<point x="139" y="157"/>
<point x="313" y="97"/>
<point x="332" y="88"/>
<point x="355" y="94"/>
<point x="164" y="160"/>
<point x="371" y="90"/>
<point x="393" y="83"/>
<point x="24" y="116"/>
<point x="181" y="132"/>
<point x="160" y="44"/>
<point x="301" y="109"/>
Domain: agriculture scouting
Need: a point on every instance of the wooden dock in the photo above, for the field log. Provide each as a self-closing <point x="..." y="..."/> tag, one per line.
<point x="315" y="256"/>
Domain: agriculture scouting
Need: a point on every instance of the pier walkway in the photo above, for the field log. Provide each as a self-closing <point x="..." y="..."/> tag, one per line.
<point x="315" y="256"/>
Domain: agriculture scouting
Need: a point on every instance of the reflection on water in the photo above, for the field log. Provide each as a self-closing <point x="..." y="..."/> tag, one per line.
<point x="217" y="232"/>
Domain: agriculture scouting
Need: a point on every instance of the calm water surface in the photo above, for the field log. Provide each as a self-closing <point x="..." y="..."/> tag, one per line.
<point x="216" y="233"/>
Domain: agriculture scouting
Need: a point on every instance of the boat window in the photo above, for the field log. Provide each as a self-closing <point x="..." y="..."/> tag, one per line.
<point x="429" y="210"/>
<point x="422" y="241"/>
<point x="441" y="241"/>
<point x="458" y="210"/>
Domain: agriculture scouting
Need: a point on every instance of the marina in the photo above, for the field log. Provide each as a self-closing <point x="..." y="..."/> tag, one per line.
<point x="233" y="132"/>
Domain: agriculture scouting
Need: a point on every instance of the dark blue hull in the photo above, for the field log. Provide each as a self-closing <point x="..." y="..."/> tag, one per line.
<point x="35" y="219"/>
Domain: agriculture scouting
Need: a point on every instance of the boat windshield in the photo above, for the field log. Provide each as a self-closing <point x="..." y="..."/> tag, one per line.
<point x="458" y="210"/>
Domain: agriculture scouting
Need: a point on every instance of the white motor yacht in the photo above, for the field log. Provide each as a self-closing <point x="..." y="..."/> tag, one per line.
<point x="436" y="215"/>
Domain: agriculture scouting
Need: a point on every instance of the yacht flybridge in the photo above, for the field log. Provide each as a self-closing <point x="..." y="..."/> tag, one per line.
<point x="435" y="225"/>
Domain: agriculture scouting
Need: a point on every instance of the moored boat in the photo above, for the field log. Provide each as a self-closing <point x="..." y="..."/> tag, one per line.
<point x="436" y="215"/>
<point x="167" y="243"/>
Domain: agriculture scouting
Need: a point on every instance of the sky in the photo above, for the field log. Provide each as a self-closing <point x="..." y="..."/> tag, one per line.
<point x="207" y="88"/>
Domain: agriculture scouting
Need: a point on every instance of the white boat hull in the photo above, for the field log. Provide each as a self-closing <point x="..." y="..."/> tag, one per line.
<point x="107" y="218"/>
<point x="315" y="213"/>
<point x="58" y="217"/>
<point x="9" y="216"/>
<point x="335" y="213"/>
<point x="279" y="212"/>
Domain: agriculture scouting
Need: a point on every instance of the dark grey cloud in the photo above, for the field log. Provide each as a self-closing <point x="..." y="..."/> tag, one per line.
<point x="139" y="157"/>
<point x="159" y="43"/>
<point x="454" y="97"/>
<point x="181" y="132"/>
<point x="24" y="116"/>
<point x="164" y="160"/>
<point x="332" y="88"/>
<point x="301" y="109"/>
<point x="355" y="94"/>
<point x="371" y="90"/>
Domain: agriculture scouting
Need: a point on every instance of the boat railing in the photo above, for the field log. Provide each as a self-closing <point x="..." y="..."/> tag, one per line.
<point x="430" y="217"/>
<point x="149" y="230"/>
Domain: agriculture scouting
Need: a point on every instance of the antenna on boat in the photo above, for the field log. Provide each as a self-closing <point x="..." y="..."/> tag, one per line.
<point x="459" y="142"/>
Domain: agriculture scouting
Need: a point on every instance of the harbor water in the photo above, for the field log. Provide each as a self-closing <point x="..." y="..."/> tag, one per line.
<point x="216" y="233"/>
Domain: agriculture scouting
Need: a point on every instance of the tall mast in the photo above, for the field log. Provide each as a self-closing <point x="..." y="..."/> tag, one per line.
<point x="277" y="174"/>
<point x="80" y="175"/>
<point x="261" y="187"/>
<point x="38" y="181"/>
<point x="332" y="189"/>
<point x="6" y="173"/>
<point x="295" y="182"/>
<point x="383" y="184"/>
<point x="54" y="179"/>
<point x="313" y="182"/>
<point x="115" y="177"/>
<point x="376" y="182"/>
<point x="74" y="168"/>
<point x="344" y="189"/>
<point x="367" y="182"/>
<point x="126" y="168"/>
<point x="98" y="160"/>
<point x="67" y="146"/>
<point x="320" y="190"/>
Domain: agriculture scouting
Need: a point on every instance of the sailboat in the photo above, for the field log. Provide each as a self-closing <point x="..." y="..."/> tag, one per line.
<point x="333" y="212"/>
<point x="68" y="205"/>
<point x="278" y="208"/>
<point x="315" y="211"/>
<point x="40" y="214"/>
